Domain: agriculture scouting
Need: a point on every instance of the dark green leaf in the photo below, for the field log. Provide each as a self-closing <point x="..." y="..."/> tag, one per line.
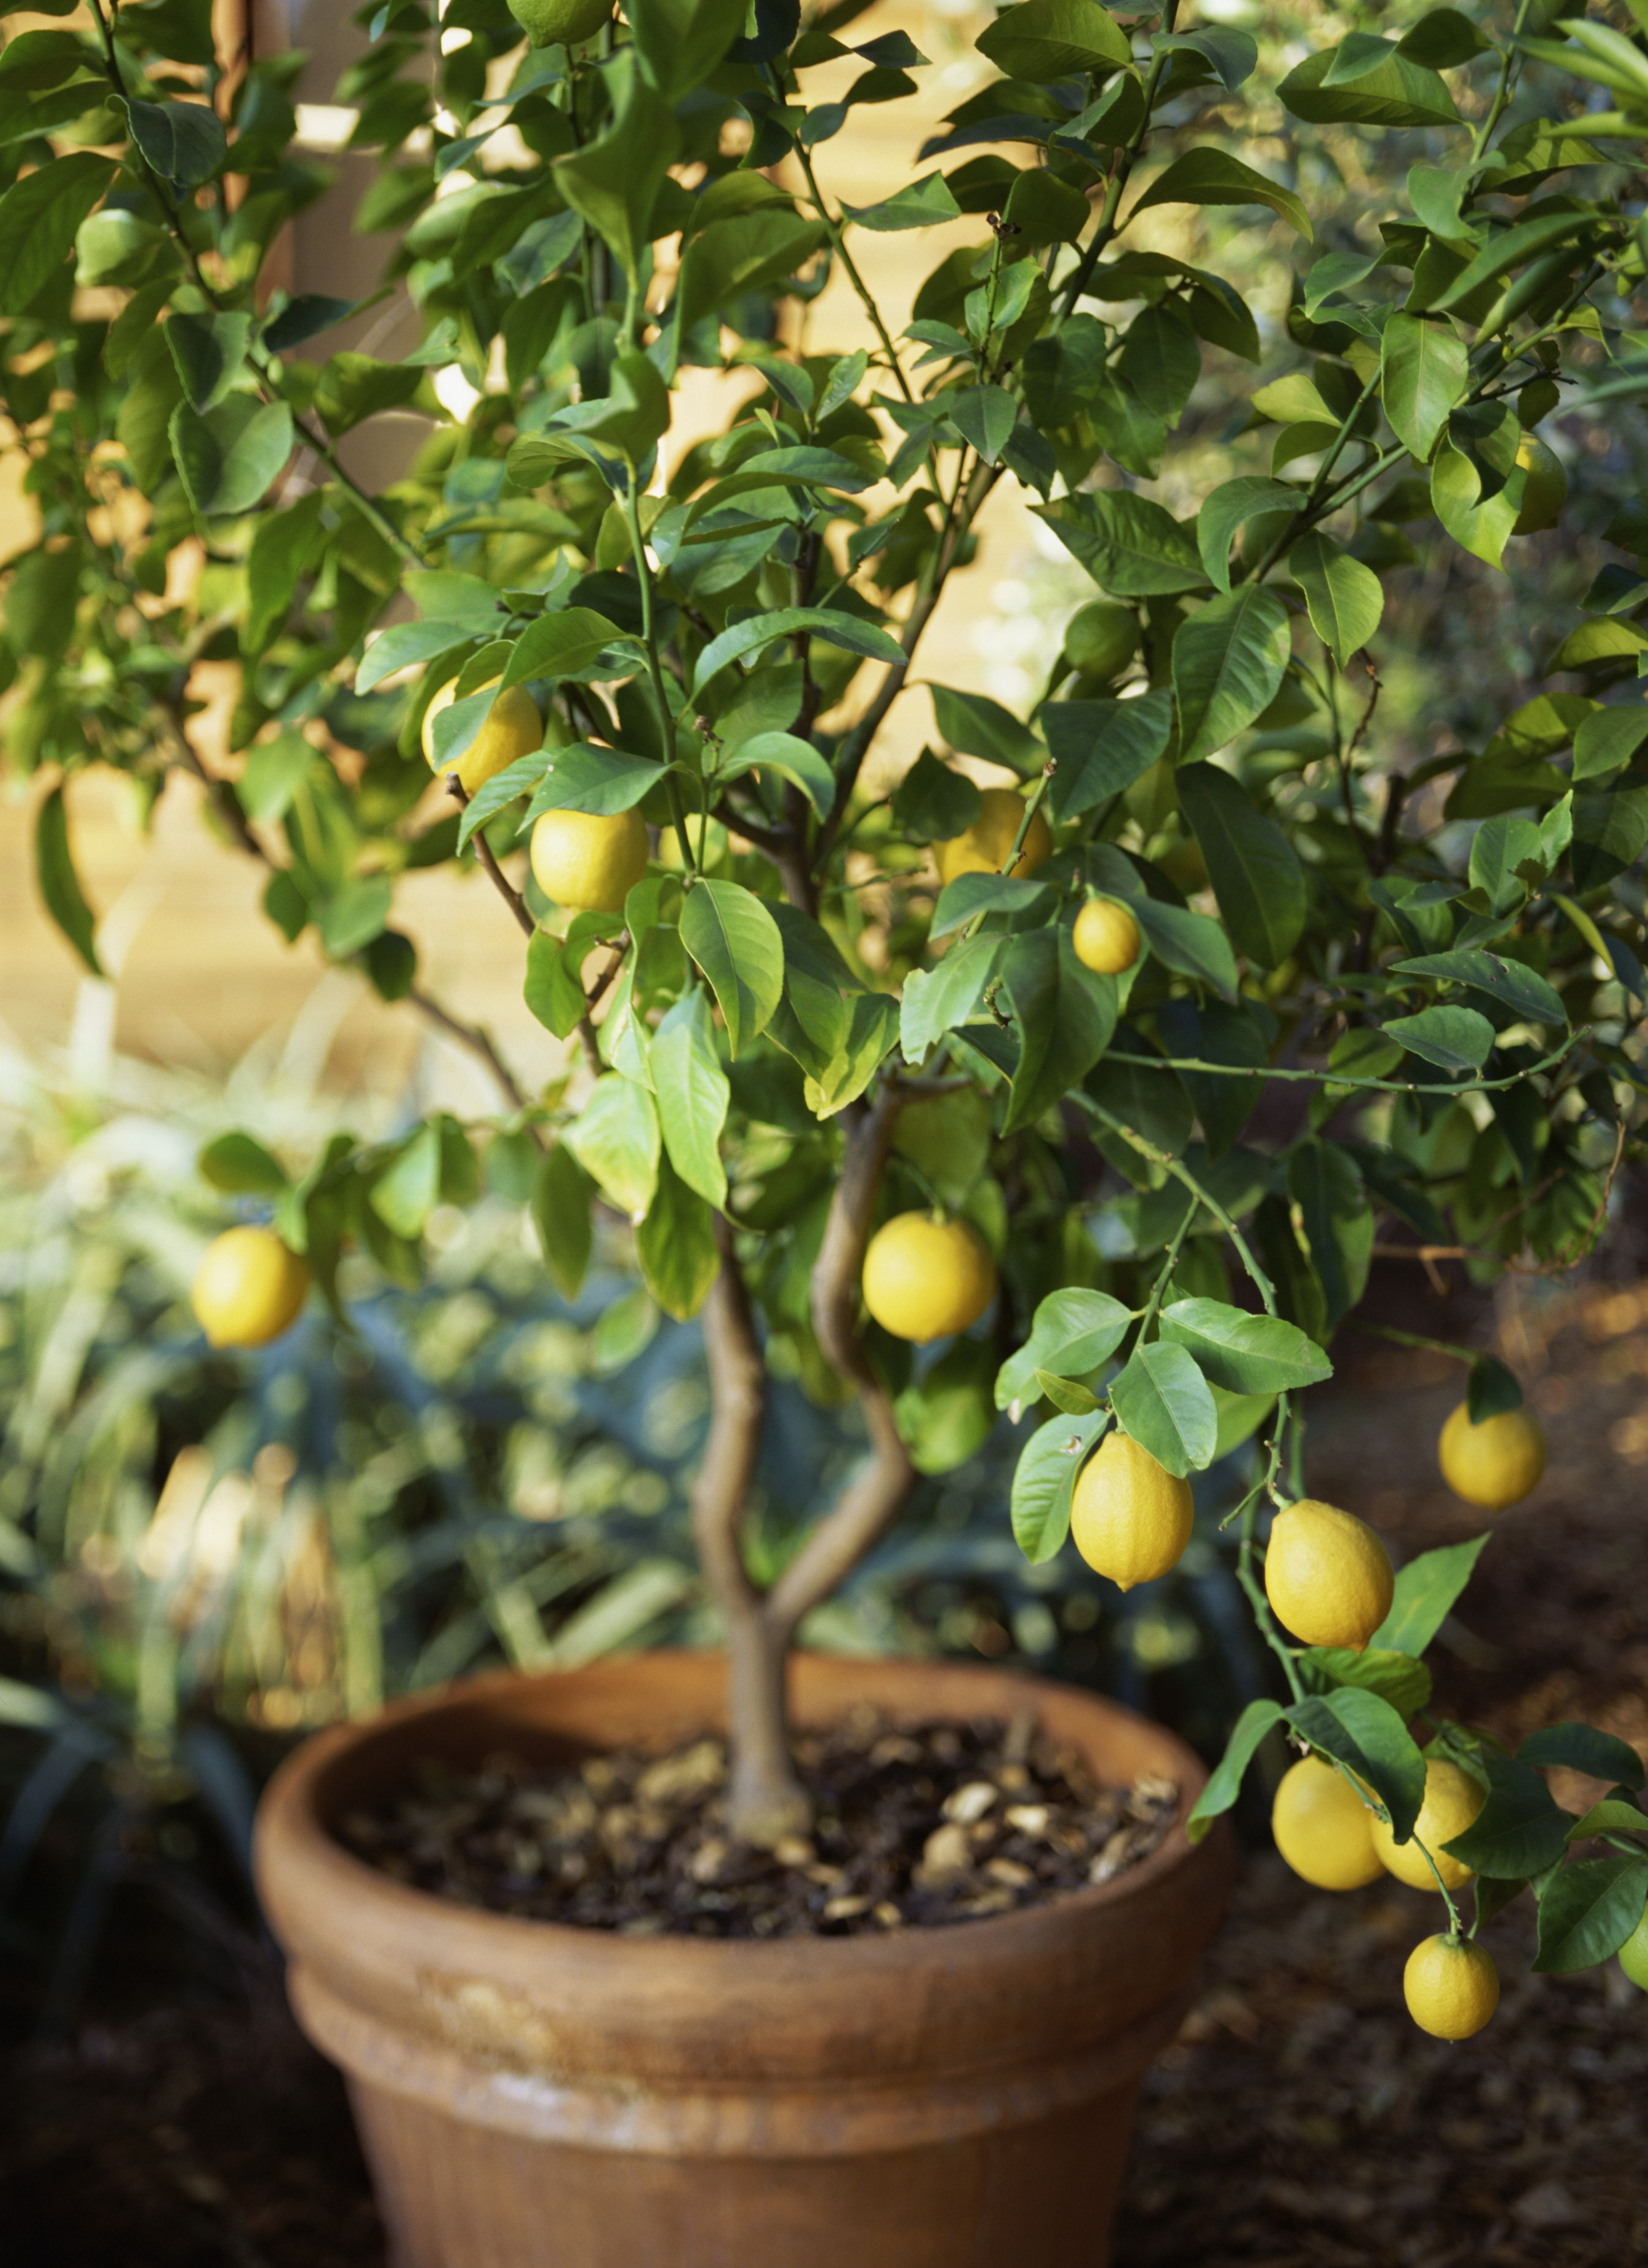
<point x="1065" y="1016"/>
<point x="1224" y="1781"/>
<point x="1519" y="1829"/>
<point x="692" y="1096"/>
<point x="1364" y="1733"/>
<point x="1049" y="39"/>
<point x="228" y="456"/>
<point x="558" y="645"/>
<point x="735" y="942"/>
<point x="937" y="1000"/>
<point x="918" y="205"/>
<point x="59" y="884"/>
<point x="1454" y="1039"/>
<point x="1102" y="746"/>
<point x="1588" y="1910"/>
<point x="1255" y="874"/>
<point x="561" y="1214"/>
<point x="1612" y="1816"/>
<point x="1512" y="982"/>
<point x="183" y="141"/>
<point x="1395" y="1677"/>
<point x="1211" y="176"/>
<point x="1131" y="547"/>
<point x="1583" y="1748"/>
<point x="242" y="1167"/>
<point x="1424" y="366"/>
<point x="1228" y="660"/>
<point x="40" y="215"/>
<point x="1162" y="1400"/>
<point x="676" y="1245"/>
<point x="975" y="725"/>
<point x="1490" y="1390"/>
<point x="825" y="623"/>
<point x="1426" y="1589"/>
<point x="585" y="777"/>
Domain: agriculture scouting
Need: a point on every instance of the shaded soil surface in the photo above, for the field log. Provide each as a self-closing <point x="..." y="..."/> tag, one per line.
<point x="926" y="1824"/>
<point x="1299" y="2121"/>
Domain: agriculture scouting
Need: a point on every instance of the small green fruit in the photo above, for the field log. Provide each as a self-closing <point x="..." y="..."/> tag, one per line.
<point x="1101" y="639"/>
<point x="560" y="22"/>
<point x="1633" y="1954"/>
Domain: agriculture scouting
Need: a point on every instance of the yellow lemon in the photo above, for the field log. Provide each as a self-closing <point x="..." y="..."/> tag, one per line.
<point x="1546" y="489"/>
<point x="589" y="860"/>
<point x="1451" y="1986"/>
<point x="925" y="1279"/>
<point x="1633" y="1954"/>
<point x="1452" y="1800"/>
<point x="983" y="847"/>
<point x="1321" y="1826"/>
<point x="1106" y="937"/>
<point x="1129" y="1517"/>
<point x="1496" y="1463"/>
<point x="566" y="23"/>
<point x="1327" y="1577"/>
<point x="247" y="1288"/>
<point x="512" y="728"/>
<point x="1102" y="639"/>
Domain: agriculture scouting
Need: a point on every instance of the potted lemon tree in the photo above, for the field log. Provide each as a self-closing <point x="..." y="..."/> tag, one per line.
<point x="1070" y="1071"/>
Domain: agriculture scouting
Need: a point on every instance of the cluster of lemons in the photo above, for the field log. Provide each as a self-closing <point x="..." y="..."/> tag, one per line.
<point x="1330" y="1582"/>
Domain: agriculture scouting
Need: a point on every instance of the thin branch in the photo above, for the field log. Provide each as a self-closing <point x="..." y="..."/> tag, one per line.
<point x="495" y="874"/>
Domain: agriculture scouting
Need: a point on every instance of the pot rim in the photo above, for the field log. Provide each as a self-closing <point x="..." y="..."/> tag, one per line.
<point x="290" y="1815"/>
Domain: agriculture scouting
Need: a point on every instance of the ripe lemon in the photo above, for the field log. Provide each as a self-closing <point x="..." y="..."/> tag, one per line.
<point x="1496" y="1463"/>
<point x="1321" y="1826"/>
<point x="568" y="23"/>
<point x="1129" y="1517"/>
<point x="1452" y="1800"/>
<point x="1327" y="1577"/>
<point x="1106" y="937"/>
<point x="924" y="1278"/>
<point x="1546" y="489"/>
<point x="1451" y="1986"/>
<point x="1102" y="639"/>
<point x="247" y="1288"/>
<point x="1633" y="1954"/>
<point x="982" y="848"/>
<point x="589" y="860"/>
<point x="512" y="728"/>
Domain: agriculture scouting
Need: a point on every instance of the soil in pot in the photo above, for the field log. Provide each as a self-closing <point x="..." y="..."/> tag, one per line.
<point x="915" y="1824"/>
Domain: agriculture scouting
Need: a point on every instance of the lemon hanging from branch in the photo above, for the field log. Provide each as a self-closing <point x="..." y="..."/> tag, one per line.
<point x="1328" y="1576"/>
<point x="1130" y="1518"/>
<point x="927" y="1278"/>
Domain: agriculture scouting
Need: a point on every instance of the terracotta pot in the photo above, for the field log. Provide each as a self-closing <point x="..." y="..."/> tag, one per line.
<point x="533" y="2096"/>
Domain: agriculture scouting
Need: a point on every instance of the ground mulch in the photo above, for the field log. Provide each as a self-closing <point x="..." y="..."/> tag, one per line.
<point x="1299" y="2121"/>
<point x="925" y="1824"/>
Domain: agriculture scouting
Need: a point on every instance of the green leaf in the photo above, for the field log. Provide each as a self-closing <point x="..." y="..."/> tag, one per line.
<point x="1211" y="176"/>
<point x="1065" y="1394"/>
<point x="1072" y="1333"/>
<point x="681" y="42"/>
<point x="405" y="1193"/>
<point x="975" y="725"/>
<point x="585" y="777"/>
<point x="1051" y="39"/>
<point x="985" y="416"/>
<point x="1442" y="39"/>
<point x="242" y="1167"/>
<point x="1511" y="981"/>
<point x="1364" y="1733"/>
<point x="355" y="913"/>
<point x="792" y="758"/>
<point x="1612" y="1816"/>
<point x="1454" y="1039"/>
<point x="1162" y="1400"/>
<point x="1228" y="660"/>
<point x="1583" y="1748"/>
<point x="1192" y="944"/>
<point x="1242" y="1352"/>
<point x="282" y="545"/>
<point x="1481" y="525"/>
<point x="1424" y="368"/>
<point x="1044" y="1480"/>
<point x="184" y="142"/>
<point x="228" y="456"/>
<point x="1293" y="399"/>
<point x="1255" y="874"/>
<point x="1609" y="739"/>
<point x="983" y="893"/>
<point x="1364" y="81"/>
<point x="826" y="623"/>
<point x="612" y="182"/>
<point x="59" y="884"/>
<point x="676" y="1245"/>
<point x="503" y="788"/>
<point x="945" y="1415"/>
<point x="1395" y="1677"/>
<point x="208" y="351"/>
<point x="1228" y="508"/>
<point x="1065" y="1016"/>
<point x="933" y="803"/>
<point x="405" y="644"/>
<point x="1224" y="1783"/>
<point x="1426" y="1588"/>
<point x="1588" y="1910"/>
<point x="553" y="988"/>
<point x="1490" y="1390"/>
<point x="692" y="1094"/>
<point x="353" y="388"/>
<point x="40" y="217"/>
<point x="736" y="944"/>
<point x="1131" y="547"/>
<point x="1334" y="1211"/>
<point x="919" y="204"/>
<point x="937" y="1000"/>
<point x="873" y="1028"/>
<point x="559" y="645"/>
<point x="560" y="1215"/>
<point x="1345" y="599"/>
<point x="1102" y="746"/>
<point x="616" y="1139"/>
<point x="1519" y="1829"/>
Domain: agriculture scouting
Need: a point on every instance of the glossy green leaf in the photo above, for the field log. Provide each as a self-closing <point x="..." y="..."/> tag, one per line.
<point x="1426" y="1589"/>
<point x="616" y="1139"/>
<point x="1102" y="746"/>
<point x="937" y="1000"/>
<point x="1072" y="1333"/>
<point x="693" y="1096"/>
<point x="1583" y="1748"/>
<point x="1131" y="547"/>
<point x="1228" y="660"/>
<point x="736" y="944"/>
<point x="1519" y="1830"/>
<point x="825" y="623"/>
<point x="1049" y="39"/>
<point x="1162" y="1400"/>
<point x="1044" y="1480"/>
<point x="1345" y="599"/>
<point x="1395" y="1677"/>
<point x="975" y="725"/>
<point x="1064" y="1016"/>
<point x="1359" y="1730"/>
<point x="1423" y="370"/>
<point x="1588" y="1910"/>
<point x="1255" y="871"/>
<point x="793" y="759"/>
<point x="1245" y="1353"/>
<point x="1224" y="1783"/>
<point x="919" y="204"/>
<point x="1211" y="176"/>
<point x="184" y="142"/>
<point x="676" y="1245"/>
<point x="228" y="456"/>
<point x="1229" y="507"/>
<point x="39" y="215"/>
<point x="1456" y="1040"/>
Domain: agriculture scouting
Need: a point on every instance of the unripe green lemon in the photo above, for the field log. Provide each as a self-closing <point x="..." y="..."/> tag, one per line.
<point x="926" y="1279"/>
<point x="1496" y="1463"/>
<point x="983" y="847"/>
<point x="1327" y="1577"/>
<point x="1321" y="1826"/>
<point x="1546" y="489"/>
<point x="247" y="1288"/>
<point x="1106" y="937"/>
<point x="567" y="23"/>
<point x="1451" y="1986"/>
<point x="1633" y="1954"/>
<point x="1452" y="1800"/>
<point x="1102" y="639"/>
<point x="589" y="860"/>
<point x="1130" y="1518"/>
<point x="512" y="728"/>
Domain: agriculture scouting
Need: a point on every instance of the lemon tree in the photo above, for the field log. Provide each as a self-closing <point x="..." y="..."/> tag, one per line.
<point x="935" y="1084"/>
